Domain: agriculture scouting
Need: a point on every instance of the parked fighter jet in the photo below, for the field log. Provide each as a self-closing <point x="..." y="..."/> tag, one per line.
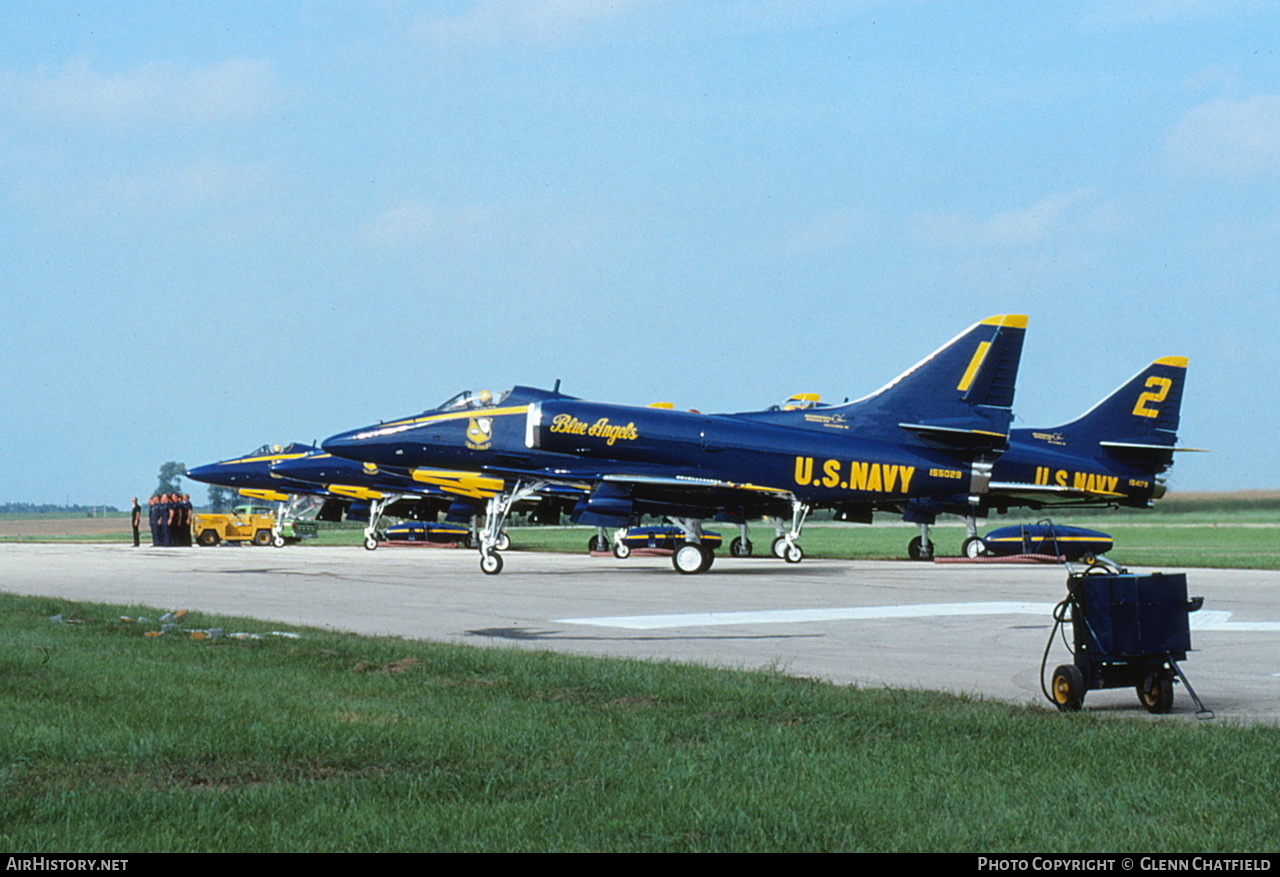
<point x="932" y="432"/>
<point x="1114" y="455"/>
<point x="350" y="493"/>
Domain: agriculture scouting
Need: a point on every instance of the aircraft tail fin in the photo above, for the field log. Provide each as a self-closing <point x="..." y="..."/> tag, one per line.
<point x="960" y="396"/>
<point x="1139" y="421"/>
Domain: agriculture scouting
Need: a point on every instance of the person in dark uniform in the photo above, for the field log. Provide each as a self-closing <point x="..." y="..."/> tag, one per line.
<point x="184" y="532"/>
<point x="166" y="520"/>
<point x="135" y="520"/>
<point x="153" y="515"/>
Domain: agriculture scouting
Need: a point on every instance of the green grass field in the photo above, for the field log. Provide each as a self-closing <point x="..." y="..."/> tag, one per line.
<point x="116" y="743"/>
<point x="1226" y="530"/>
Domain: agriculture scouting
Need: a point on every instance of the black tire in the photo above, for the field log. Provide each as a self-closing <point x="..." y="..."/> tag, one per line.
<point x="371" y="543"/>
<point x="504" y="542"/>
<point x="792" y="553"/>
<point x="597" y="543"/>
<point x="278" y="541"/>
<point x="775" y="547"/>
<point x="740" y="547"/>
<point x="1067" y="688"/>
<point x="974" y="547"/>
<point x="262" y="537"/>
<point x="1156" y="692"/>
<point x="621" y="550"/>
<point x="917" y="551"/>
<point x="208" y="538"/>
<point x="491" y="564"/>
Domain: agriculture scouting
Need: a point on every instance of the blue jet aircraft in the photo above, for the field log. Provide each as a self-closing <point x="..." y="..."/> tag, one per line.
<point x="1114" y="455"/>
<point x="935" y="431"/>
<point x="350" y="492"/>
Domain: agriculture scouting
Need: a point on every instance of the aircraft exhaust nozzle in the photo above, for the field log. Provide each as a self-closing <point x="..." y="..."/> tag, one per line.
<point x="1159" y="490"/>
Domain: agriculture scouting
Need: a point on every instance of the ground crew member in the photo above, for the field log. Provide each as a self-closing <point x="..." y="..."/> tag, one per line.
<point x="135" y="520"/>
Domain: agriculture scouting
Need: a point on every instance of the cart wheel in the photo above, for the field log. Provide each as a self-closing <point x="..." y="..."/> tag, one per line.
<point x="973" y="547"/>
<point x="1156" y="692"/>
<point x="621" y="550"/>
<point x="208" y="538"/>
<point x="262" y="537"/>
<point x="1068" y="688"/>
<point x="917" y="551"/>
<point x="740" y="547"/>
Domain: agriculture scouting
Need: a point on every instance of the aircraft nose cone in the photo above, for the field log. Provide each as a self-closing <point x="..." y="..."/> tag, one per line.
<point x="357" y="444"/>
<point x="202" y="473"/>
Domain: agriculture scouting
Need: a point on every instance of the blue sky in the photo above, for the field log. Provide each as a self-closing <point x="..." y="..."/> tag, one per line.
<point x="232" y="223"/>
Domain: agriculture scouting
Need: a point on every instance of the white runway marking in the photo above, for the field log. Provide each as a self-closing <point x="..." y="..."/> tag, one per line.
<point x="1210" y="620"/>
<point x="1202" y="620"/>
<point x="801" y="616"/>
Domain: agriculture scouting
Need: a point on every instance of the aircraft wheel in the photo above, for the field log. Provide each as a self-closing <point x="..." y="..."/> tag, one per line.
<point x="491" y="564"/>
<point x="277" y="541"/>
<point x="776" y="546"/>
<point x="262" y="537"/>
<point x="690" y="559"/>
<point x="916" y="549"/>
<point x="708" y="557"/>
<point x="621" y="550"/>
<point x="792" y="553"/>
<point x="740" y="547"/>
<point x="371" y="542"/>
<point x="1156" y="692"/>
<point x="1089" y="558"/>
<point x="597" y="543"/>
<point x="504" y="542"/>
<point x="974" y="547"/>
<point x="1068" y="688"/>
<point x="208" y="538"/>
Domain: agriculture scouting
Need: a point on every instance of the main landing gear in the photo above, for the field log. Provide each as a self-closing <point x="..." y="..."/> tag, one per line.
<point x="492" y="537"/>
<point x="922" y="547"/>
<point x="692" y="557"/>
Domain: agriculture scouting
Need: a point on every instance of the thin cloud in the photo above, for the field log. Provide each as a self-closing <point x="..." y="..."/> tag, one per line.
<point x="1229" y="138"/>
<point x="156" y="92"/>
<point x="1027" y="225"/>
<point x="490" y="22"/>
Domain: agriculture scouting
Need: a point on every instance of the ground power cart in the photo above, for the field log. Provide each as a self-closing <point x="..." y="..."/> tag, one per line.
<point x="1127" y="630"/>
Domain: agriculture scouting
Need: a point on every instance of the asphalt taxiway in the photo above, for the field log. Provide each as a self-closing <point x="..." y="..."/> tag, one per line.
<point x="973" y="629"/>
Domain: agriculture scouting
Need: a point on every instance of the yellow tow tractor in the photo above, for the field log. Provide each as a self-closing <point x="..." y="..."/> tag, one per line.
<point x="244" y="524"/>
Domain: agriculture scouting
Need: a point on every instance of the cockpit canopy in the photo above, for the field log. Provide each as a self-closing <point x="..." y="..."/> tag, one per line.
<point x="801" y="402"/>
<point x="472" y="399"/>
<point x="274" y="450"/>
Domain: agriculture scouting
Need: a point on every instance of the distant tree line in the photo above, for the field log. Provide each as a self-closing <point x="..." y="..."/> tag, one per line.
<point x="28" y="508"/>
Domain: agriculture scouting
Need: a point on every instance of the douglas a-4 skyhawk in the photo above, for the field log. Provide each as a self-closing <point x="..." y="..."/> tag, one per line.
<point x="1113" y="455"/>
<point x="934" y="432"/>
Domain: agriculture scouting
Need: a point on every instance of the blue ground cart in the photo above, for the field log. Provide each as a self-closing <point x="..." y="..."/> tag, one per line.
<point x="1127" y="630"/>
